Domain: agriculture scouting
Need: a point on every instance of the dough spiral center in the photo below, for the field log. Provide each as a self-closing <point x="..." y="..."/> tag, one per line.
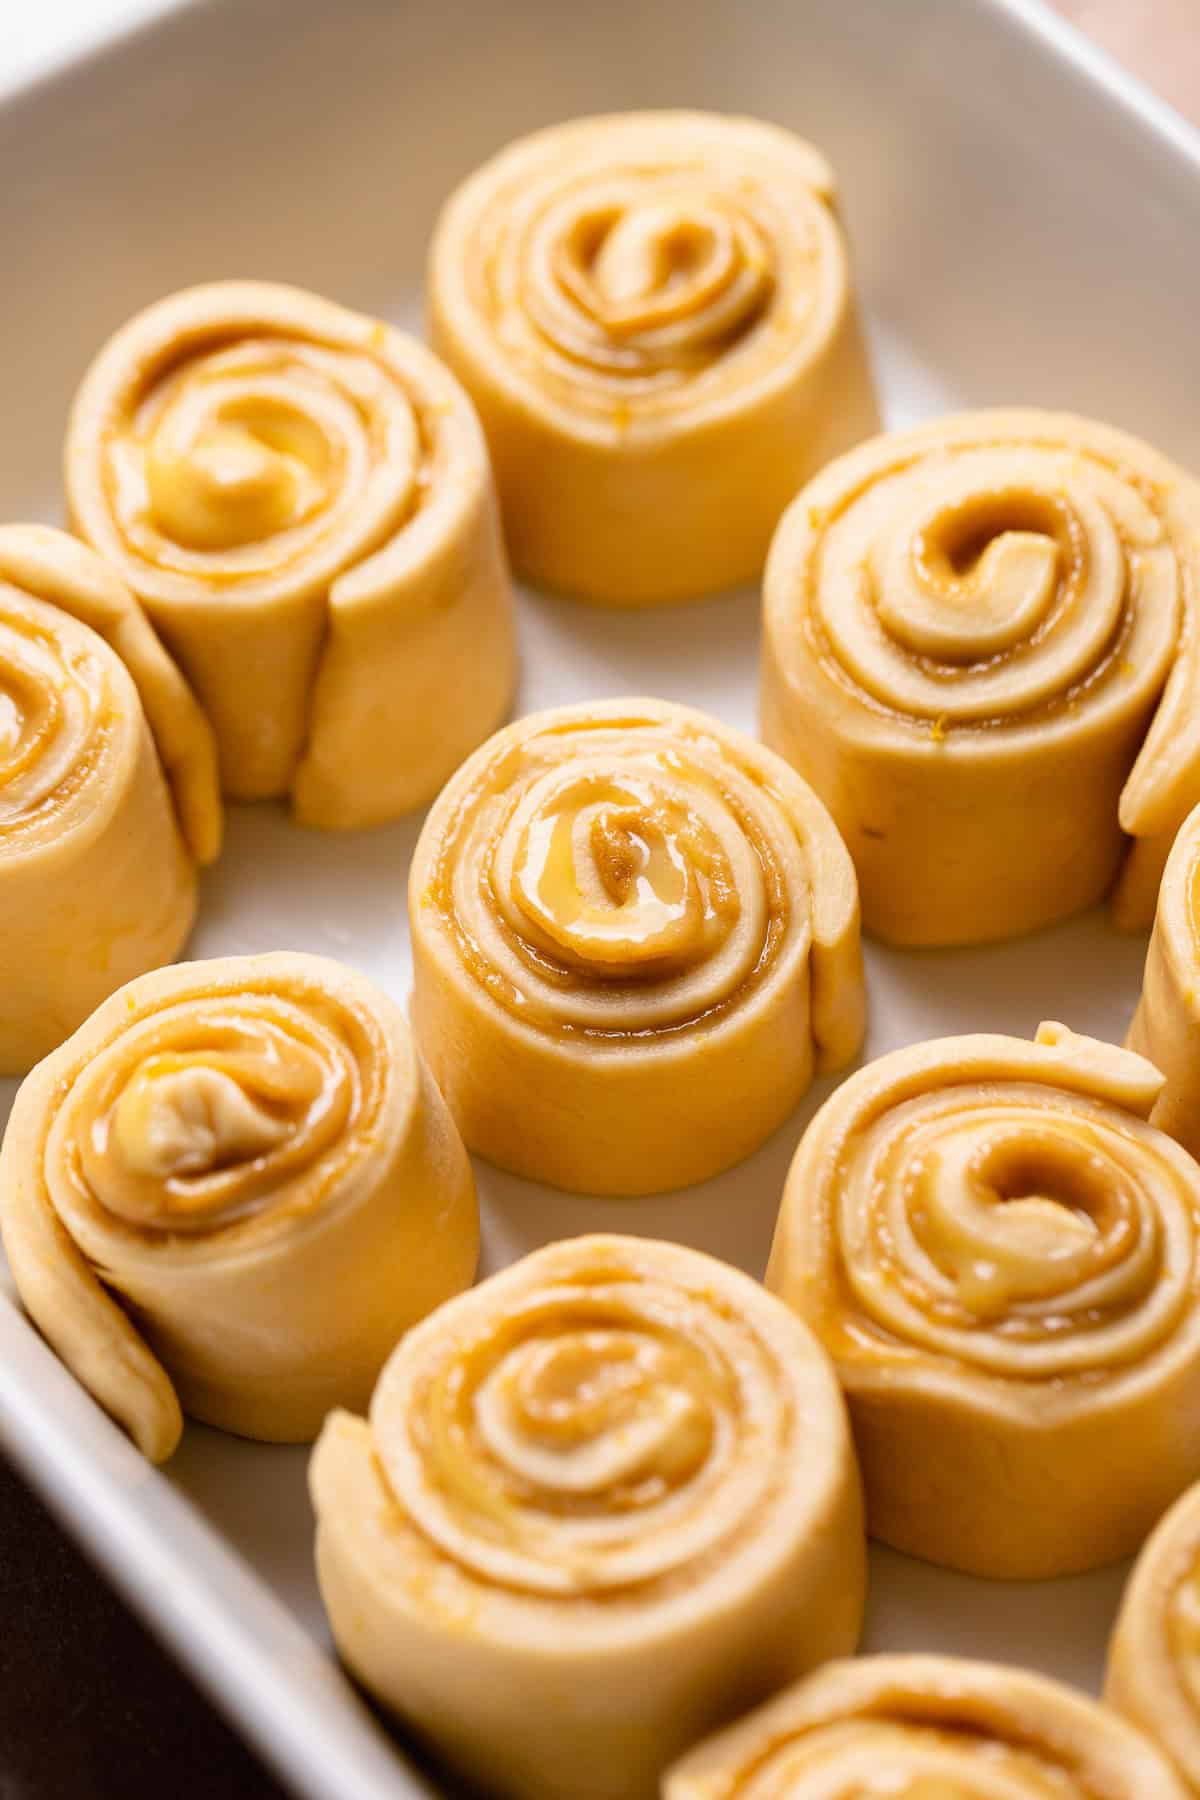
<point x="198" y="1117"/>
<point x="617" y="877"/>
<point x="609" y="882"/>
<point x="993" y="584"/>
<point x="50" y="715"/>
<point x="869" y="1759"/>
<point x="644" y="278"/>
<point x="598" y="1435"/>
<point x="1012" y="1237"/>
<point x="245" y="458"/>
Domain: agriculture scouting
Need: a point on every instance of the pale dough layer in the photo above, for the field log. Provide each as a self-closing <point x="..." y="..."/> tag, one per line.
<point x="653" y="313"/>
<point x="1002" y="1257"/>
<point x="301" y="498"/>
<point x="982" y="649"/>
<point x="1153" y="1674"/>
<point x="1166" y="1026"/>
<point x="601" y="1503"/>
<point x="926" y="1728"/>
<point x="252" y="1156"/>
<point x="97" y="850"/>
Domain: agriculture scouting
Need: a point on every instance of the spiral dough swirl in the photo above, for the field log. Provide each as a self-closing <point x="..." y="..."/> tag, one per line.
<point x="606" y="896"/>
<point x="637" y="282"/>
<point x="231" y="1143"/>
<point x="980" y="639"/>
<point x="988" y="1232"/>
<point x="93" y="716"/>
<point x="926" y="1728"/>
<point x="1153" y="1674"/>
<point x="301" y="498"/>
<point x="52" y="713"/>
<point x="620" y="294"/>
<point x="1166" y="1025"/>
<point x="606" y="1454"/>
<point x="608" y="1430"/>
<point x="215" y="1109"/>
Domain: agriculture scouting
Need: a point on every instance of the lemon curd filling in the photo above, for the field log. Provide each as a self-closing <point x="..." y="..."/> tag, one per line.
<point x="249" y="470"/>
<point x="925" y="1727"/>
<point x="620" y="877"/>
<point x="638" y="282"/>
<point x="585" y="1418"/>
<point x="624" y="871"/>
<point x="55" y="712"/>
<point x="241" y="459"/>
<point x="204" y="1116"/>
<point x="884" y="1759"/>
<point x="1165" y="1024"/>
<point x="108" y="791"/>
<point x="191" y="1133"/>
<point x="178" y="1117"/>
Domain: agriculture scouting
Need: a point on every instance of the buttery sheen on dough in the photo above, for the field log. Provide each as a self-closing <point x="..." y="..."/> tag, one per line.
<point x="1153" y="1673"/>
<point x="982" y="648"/>
<point x="97" y="866"/>
<point x="1166" y="1026"/>
<point x="926" y="1728"/>
<point x="653" y="313"/>
<point x="1003" y="1259"/>
<point x="635" y="936"/>
<point x="234" y="1187"/>
<point x="602" y="1502"/>
<point x="302" y="500"/>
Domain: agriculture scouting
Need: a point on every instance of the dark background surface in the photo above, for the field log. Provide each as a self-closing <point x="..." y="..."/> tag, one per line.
<point x="90" y="1707"/>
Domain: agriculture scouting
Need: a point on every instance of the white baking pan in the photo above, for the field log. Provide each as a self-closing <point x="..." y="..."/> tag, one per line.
<point x="1027" y="228"/>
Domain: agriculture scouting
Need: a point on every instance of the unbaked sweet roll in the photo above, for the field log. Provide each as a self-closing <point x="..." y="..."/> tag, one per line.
<point x="302" y="500"/>
<point x="1153" y="1674"/>
<point x="1003" y="1259"/>
<point x="236" y="1184"/>
<point x="1166" y="1025"/>
<point x="982" y="649"/>
<point x="635" y="935"/>
<point x="602" y="1502"/>
<point x="653" y="313"/>
<point x="97" y="865"/>
<point x="926" y="1728"/>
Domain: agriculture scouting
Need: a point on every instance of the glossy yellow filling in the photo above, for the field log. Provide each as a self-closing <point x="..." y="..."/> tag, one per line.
<point x="620" y="877"/>
<point x="646" y="275"/>
<point x="1009" y="1229"/>
<point x="55" y="713"/>
<point x="886" y="1759"/>
<point x="630" y="876"/>
<point x="599" y="1418"/>
<point x="244" y="471"/>
<point x="200" y="1122"/>
<point x="601" y="1432"/>
<point x="979" y="583"/>
<point x="243" y="458"/>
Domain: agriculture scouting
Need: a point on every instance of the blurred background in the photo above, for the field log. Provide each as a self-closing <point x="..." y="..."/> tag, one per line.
<point x="1158" y="39"/>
